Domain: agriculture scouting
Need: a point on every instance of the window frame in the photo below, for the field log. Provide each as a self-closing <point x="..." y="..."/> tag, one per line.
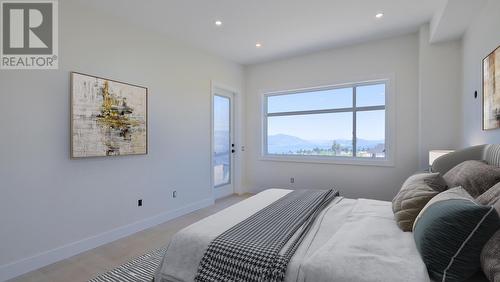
<point x="388" y="160"/>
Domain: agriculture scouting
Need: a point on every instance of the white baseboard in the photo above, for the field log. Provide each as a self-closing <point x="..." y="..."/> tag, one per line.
<point x="222" y="192"/>
<point x="19" y="267"/>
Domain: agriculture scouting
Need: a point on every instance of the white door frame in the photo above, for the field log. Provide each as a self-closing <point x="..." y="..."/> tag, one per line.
<point x="233" y="187"/>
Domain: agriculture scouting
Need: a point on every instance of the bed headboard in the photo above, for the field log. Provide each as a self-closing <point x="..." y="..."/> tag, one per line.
<point x="489" y="153"/>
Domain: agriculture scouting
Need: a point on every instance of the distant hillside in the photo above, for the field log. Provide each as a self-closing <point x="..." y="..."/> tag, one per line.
<point x="221" y="143"/>
<point x="287" y="139"/>
<point x="282" y="143"/>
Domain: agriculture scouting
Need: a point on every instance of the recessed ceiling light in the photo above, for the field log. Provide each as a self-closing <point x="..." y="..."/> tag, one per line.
<point x="379" y="15"/>
<point x="218" y="23"/>
<point x="258" y="45"/>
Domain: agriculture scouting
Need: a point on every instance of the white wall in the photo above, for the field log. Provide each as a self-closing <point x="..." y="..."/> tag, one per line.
<point x="48" y="201"/>
<point x="482" y="37"/>
<point x="440" y="88"/>
<point x="398" y="56"/>
<point x="51" y="206"/>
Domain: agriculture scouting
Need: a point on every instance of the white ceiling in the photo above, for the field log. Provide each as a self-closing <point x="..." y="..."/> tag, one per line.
<point x="453" y="18"/>
<point x="284" y="27"/>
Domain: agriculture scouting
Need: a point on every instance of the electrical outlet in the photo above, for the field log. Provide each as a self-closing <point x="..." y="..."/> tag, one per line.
<point x="174" y="194"/>
<point x="139" y="203"/>
<point x="292" y="180"/>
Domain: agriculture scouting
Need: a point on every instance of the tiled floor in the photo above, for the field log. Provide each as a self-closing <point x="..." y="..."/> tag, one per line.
<point x="87" y="265"/>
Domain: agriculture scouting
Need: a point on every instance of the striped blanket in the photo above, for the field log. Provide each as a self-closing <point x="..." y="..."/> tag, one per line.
<point x="260" y="247"/>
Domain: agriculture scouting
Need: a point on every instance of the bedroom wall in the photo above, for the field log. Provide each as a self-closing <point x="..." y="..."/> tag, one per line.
<point x="482" y="37"/>
<point x="52" y="206"/>
<point x="398" y="56"/>
<point x="440" y="88"/>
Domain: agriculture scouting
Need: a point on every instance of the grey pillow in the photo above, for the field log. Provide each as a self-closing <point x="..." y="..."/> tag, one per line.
<point x="416" y="191"/>
<point x="491" y="197"/>
<point x="474" y="176"/>
<point x="490" y="258"/>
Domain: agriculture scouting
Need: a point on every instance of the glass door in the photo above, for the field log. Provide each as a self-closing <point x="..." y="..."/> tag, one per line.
<point x="223" y="145"/>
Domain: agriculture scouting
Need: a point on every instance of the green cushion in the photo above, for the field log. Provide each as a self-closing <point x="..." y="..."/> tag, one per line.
<point x="450" y="233"/>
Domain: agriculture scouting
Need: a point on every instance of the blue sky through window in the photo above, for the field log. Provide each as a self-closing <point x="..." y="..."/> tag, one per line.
<point x="221" y="113"/>
<point x="370" y="95"/>
<point x="317" y="100"/>
<point x="313" y="127"/>
<point x="371" y="125"/>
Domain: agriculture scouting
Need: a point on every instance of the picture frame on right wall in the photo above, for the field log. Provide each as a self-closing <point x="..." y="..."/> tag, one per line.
<point x="491" y="90"/>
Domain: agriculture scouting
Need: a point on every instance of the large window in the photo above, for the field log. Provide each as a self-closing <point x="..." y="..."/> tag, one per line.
<point x="336" y="123"/>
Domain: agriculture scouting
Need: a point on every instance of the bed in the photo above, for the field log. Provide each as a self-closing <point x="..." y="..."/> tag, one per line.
<point x="350" y="240"/>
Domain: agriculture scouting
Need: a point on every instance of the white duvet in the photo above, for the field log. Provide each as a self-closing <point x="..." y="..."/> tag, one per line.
<point x="352" y="240"/>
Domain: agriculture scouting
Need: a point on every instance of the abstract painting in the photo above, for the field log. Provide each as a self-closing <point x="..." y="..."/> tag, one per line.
<point x="491" y="90"/>
<point x="108" y="118"/>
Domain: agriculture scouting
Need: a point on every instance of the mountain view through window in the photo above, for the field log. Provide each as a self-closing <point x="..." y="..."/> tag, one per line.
<point x="341" y="122"/>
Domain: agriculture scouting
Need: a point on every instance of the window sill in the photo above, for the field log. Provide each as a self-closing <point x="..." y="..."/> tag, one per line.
<point x="329" y="160"/>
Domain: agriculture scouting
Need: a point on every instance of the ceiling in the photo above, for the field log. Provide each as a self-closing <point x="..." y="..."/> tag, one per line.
<point x="283" y="27"/>
<point x="453" y="18"/>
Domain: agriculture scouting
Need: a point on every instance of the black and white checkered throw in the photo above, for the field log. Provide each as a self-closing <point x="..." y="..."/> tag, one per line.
<point x="260" y="247"/>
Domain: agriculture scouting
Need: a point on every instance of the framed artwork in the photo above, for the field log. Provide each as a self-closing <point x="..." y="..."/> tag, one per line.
<point x="491" y="90"/>
<point x="108" y="117"/>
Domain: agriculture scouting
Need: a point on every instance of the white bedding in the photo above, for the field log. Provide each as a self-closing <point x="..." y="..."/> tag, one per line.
<point x="352" y="240"/>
